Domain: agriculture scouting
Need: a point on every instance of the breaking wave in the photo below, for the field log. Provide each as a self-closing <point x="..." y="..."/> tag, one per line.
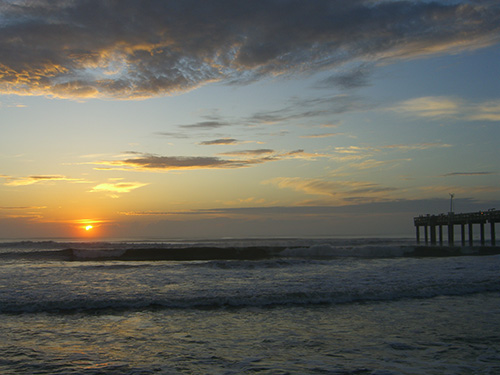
<point x="240" y="300"/>
<point x="168" y="252"/>
<point x="82" y="277"/>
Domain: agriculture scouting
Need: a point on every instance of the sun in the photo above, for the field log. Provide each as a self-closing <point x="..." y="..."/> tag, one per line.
<point x="87" y="227"/>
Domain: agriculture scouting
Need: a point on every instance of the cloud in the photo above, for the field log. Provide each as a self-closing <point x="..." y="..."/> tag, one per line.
<point x="447" y="107"/>
<point x="186" y="130"/>
<point x="156" y="162"/>
<point x="261" y="151"/>
<point x="430" y="106"/>
<point x="36" y="179"/>
<point x="222" y="141"/>
<point x="365" y="157"/>
<point x="27" y="212"/>
<point x="174" y="135"/>
<point x="205" y="125"/>
<point x="489" y="111"/>
<point x="406" y="206"/>
<point x="15" y="208"/>
<point x="351" y="149"/>
<point x="240" y="159"/>
<point x="416" y="146"/>
<point x="323" y="135"/>
<point x="342" y="192"/>
<point x="372" y="163"/>
<point x="139" y="49"/>
<point x="296" y="110"/>
<point x="117" y="188"/>
<point x="250" y="201"/>
<point x="467" y="174"/>
<point x="299" y="109"/>
<point x="349" y="79"/>
<point x="459" y="190"/>
<point x="348" y="153"/>
<point x="165" y="163"/>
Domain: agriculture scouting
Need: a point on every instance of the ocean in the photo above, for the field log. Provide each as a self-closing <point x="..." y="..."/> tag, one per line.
<point x="254" y="306"/>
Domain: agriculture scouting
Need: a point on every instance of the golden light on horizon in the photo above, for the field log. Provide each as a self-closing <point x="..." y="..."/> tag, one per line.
<point x="87" y="227"/>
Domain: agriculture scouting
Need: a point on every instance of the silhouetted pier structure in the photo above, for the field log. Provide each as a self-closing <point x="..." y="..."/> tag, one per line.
<point x="432" y="222"/>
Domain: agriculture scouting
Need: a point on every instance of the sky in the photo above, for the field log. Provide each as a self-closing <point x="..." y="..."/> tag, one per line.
<point x="278" y="118"/>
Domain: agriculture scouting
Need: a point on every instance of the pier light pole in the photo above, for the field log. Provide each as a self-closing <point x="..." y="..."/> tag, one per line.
<point x="451" y="234"/>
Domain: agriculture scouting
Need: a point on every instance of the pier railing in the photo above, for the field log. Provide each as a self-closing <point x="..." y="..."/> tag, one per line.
<point x="430" y="223"/>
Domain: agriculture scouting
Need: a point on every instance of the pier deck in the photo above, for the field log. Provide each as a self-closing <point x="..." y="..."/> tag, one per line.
<point x="432" y="222"/>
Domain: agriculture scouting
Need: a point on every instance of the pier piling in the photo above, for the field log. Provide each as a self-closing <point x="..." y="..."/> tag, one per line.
<point x="451" y="219"/>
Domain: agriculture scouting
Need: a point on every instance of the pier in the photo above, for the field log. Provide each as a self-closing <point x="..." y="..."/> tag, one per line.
<point x="431" y="223"/>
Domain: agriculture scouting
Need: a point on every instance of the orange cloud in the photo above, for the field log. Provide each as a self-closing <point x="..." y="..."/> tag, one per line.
<point x="36" y="179"/>
<point x="117" y="188"/>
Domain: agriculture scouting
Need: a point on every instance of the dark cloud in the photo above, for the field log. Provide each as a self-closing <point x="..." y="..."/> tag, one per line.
<point x="351" y="79"/>
<point x="151" y="162"/>
<point x="240" y="159"/>
<point x="261" y="151"/>
<point x="237" y="159"/>
<point x="139" y="49"/>
<point x="222" y="141"/>
<point x="55" y="177"/>
<point x="174" y="135"/>
<point x="186" y="130"/>
<point x="299" y="109"/>
<point x="205" y="125"/>
<point x="296" y="109"/>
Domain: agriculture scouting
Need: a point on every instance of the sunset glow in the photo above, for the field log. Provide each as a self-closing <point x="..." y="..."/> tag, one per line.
<point x="238" y="125"/>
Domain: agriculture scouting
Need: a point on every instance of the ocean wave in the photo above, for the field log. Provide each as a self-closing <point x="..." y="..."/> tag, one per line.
<point x="330" y="251"/>
<point x="320" y="251"/>
<point x="97" y="254"/>
<point x="143" y="254"/>
<point x="231" y="250"/>
<point x="296" y="298"/>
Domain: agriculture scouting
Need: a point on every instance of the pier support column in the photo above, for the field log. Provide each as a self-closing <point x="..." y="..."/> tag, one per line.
<point x="426" y="235"/>
<point x="417" y="228"/>
<point x="482" y="233"/>
<point x="440" y="235"/>
<point x="470" y="235"/>
<point x="433" y="234"/>
<point x="492" y="233"/>
<point x="451" y="235"/>
<point x="462" y="233"/>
